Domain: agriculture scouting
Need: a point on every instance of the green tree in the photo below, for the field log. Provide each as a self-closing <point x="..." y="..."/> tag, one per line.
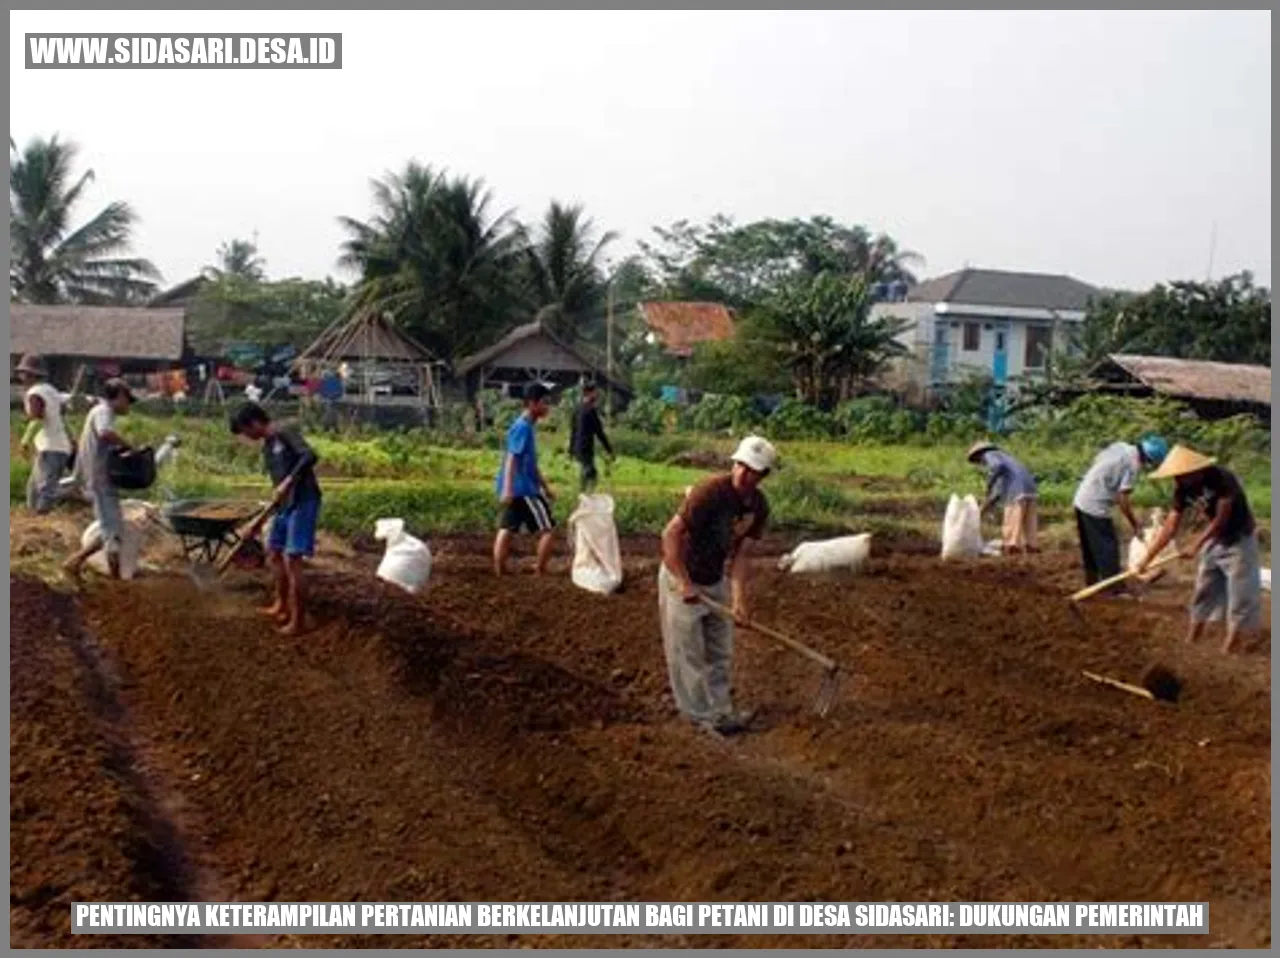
<point x="238" y="258"/>
<point x="823" y="333"/>
<point x="436" y="260"/>
<point x="742" y="266"/>
<point x="566" y="279"/>
<point x="54" y="262"/>
<point x="1225" y="321"/>
<point x="233" y="308"/>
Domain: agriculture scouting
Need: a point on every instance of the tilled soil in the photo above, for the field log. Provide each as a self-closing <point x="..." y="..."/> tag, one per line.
<point x="83" y="825"/>
<point x="514" y="740"/>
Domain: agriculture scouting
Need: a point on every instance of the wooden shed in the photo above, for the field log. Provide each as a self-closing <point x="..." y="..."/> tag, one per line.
<point x="531" y="353"/>
<point x="1213" y="390"/>
<point x="106" y="340"/>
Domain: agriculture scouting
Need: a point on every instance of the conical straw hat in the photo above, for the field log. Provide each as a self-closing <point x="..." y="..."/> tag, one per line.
<point x="978" y="448"/>
<point x="1180" y="462"/>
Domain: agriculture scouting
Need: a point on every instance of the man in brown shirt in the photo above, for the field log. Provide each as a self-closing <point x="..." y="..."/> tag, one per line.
<point x="704" y="544"/>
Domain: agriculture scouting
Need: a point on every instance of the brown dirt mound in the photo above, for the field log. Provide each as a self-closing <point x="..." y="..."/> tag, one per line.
<point x="515" y="741"/>
<point x="82" y="826"/>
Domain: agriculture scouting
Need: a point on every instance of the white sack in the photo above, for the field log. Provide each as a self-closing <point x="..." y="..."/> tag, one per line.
<point x="1266" y="579"/>
<point x="136" y="514"/>
<point x="1138" y="546"/>
<point x="962" y="528"/>
<point x="407" y="562"/>
<point x="845" y="553"/>
<point x="597" y="557"/>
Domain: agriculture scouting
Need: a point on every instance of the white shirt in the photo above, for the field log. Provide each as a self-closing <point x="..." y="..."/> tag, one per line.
<point x="52" y="435"/>
<point x="91" y="456"/>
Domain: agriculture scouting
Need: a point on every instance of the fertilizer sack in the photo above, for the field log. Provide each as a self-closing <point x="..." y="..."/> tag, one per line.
<point x="962" y="529"/>
<point x="135" y="514"/>
<point x="407" y="562"/>
<point x="1138" y="546"/>
<point x="845" y="554"/>
<point x="597" y="557"/>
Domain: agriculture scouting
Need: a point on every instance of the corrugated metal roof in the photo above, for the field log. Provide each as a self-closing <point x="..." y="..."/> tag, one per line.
<point x="991" y="287"/>
<point x="1197" y="379"/>
<point x="681" y="326"/>
<point x="101" y="332"/>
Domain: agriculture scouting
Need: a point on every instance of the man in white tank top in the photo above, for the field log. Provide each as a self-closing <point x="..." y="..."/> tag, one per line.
<point x="46" y="436"/>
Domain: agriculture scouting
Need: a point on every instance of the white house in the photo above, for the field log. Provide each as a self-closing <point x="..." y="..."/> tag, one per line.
<point x="985" y="321"/>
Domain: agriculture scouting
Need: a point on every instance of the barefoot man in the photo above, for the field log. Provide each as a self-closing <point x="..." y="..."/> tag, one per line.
<point x="703" y="545"/>
<point x="1229" y="578"/>
<point x="522" y="490"/>
<point x="290" y="463"/>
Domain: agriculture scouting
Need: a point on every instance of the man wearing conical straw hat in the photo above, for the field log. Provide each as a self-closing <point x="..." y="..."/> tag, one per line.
<point x="1229" y="578"/>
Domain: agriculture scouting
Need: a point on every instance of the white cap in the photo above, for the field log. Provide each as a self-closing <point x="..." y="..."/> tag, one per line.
<point x="756" y="453"/>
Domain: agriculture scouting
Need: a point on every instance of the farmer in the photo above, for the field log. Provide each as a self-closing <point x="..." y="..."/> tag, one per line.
<point x="1009" y="483"/>
<point x="97" y="439"/>
<point x="1229" y="577"/>
<point x="705" y="543"/>
<point x="582" y="441"/>
<point x="1109" y="483"/>
<point x="46" y="435"/>
<point x="290" y="463"/>
<point x="522" y="490"/>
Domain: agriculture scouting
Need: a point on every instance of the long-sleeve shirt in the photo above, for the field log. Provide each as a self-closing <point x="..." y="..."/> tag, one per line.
<point x="282" y="452"/>
<point x="587" y="427"/>
<point x="1007" y="478"/>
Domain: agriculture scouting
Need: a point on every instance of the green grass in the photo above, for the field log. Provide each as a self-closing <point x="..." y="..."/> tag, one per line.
<point x="445" y="484"/>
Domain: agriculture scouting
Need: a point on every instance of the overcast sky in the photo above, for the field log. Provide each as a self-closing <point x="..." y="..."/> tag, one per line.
<point x="1103" y="145"/>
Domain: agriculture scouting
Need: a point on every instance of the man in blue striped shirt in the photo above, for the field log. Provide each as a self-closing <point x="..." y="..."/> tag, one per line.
<point x="1011" y="484"/>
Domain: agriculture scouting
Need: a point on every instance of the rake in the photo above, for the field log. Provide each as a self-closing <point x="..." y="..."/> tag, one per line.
<point x="830" y="687"/>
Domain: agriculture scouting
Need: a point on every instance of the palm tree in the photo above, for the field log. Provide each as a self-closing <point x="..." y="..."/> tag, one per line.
<point x="238" y="258"/>
<point x="435" y="259"/>
<point x="53" y="262"/>
<point x="566" y="278"/>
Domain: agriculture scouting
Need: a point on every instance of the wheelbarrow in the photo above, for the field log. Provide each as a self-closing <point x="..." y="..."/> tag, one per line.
<point x="209" y="527"/>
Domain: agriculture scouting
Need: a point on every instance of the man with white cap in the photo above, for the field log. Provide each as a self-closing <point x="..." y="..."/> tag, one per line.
<point x="46" y="436"/>
<point x="705" y="544"/>
<point x="1011" y="484"/>
<point x="1229" y="577"/>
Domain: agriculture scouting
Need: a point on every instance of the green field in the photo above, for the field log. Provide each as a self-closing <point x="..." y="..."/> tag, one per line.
<point x="445" y="484"/>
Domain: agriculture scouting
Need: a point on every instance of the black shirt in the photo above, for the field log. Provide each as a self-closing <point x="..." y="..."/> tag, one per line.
<point x="282" y="451"/>
<point x="586" y="428"/>
<point x="1210" y="488"/>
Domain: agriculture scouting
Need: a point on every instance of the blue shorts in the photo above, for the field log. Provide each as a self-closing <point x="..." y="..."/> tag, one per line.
<point x="293" y="531"/>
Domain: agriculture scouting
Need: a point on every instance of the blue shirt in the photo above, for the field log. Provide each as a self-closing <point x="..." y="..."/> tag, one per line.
<point x="1115" y="470"/>
<point x="1007" y="478"/>
<point x="524" y="459"/>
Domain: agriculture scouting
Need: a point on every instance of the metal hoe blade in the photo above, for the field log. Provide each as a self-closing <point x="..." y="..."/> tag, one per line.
<point x="827" y="692"/>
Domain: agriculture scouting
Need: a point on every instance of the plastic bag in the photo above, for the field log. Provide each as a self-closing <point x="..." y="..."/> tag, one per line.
<point x="597" y="557"/>
<point x="136" y="515"/>
<point x="845" y="553"/>
<point x="962" y="528"/>
<point x="1138" y="546"/>
<point x="407" y="562"/>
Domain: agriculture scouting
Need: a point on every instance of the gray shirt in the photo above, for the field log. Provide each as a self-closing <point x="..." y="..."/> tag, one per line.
<point x="1007" y="478"/>
<point x="91" y="451"/>
<point x="1114" y="470"/>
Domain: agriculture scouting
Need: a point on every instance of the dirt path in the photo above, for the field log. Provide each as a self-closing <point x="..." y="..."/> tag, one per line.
<point x="482" y="744"/>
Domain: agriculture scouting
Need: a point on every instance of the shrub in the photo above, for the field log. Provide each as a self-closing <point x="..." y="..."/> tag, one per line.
<point x="646" y="414"/>
<point x="723" y="414"/>
<point x="794" y="419"/>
